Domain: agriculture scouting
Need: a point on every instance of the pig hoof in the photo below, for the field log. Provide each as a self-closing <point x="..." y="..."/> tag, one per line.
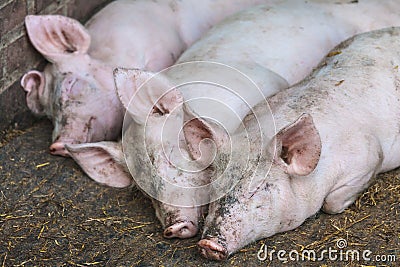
<point x="185" y="229"/>
<point x="212" y="250"/>
<point x="58" y="148"/>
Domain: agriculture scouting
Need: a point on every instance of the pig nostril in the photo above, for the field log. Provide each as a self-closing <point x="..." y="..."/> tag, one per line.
<point x="167" y="233"/>
<point x="185" y="229"/>
<point x="58" y="148"/>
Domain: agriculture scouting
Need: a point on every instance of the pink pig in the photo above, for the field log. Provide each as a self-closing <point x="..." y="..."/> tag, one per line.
<point x="270" y="44"/>
<point x="76" y="90"/>
<point x="336" y="130"/>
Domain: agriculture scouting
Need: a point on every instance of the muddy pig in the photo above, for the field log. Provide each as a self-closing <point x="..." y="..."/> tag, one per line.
<point x="336" y="130"/>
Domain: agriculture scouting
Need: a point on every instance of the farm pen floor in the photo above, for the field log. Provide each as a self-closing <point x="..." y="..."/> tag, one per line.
<point x="51" y="214"/>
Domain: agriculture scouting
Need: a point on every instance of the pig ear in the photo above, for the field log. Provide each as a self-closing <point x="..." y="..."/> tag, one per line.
<point x="152" y="93"/>
<point x="298" y="146"/>
<point x="33" y="83"/>
<point x="56" y="36"/>
<point x="104" y="162"/>
<point x="203" y="137"/>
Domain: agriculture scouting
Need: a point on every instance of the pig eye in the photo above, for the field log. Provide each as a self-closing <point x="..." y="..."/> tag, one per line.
<point x="68" y="84"/>
<point x="73" y="87"/>
<point x="285" y="155"/>
<point x="160" y="109"/>
<point x="157" y="111"/>
<point x="152" y="159"/>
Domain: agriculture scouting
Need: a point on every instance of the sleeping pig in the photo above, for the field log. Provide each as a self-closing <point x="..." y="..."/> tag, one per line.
<point x="255" y="42"/>
<point x="76" y="89"/>
<point x="336" y="130"/>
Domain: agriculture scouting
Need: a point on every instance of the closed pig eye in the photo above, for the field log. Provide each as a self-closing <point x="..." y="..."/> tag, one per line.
<point x="72" y="86"/>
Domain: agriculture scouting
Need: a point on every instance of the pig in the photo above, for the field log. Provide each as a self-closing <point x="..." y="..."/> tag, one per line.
<point x="76" y="89"/>
<point x="336" y="130"/>
<point x="266" y="55"/>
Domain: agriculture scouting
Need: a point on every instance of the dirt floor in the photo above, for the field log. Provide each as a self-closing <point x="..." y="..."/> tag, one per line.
<point x="51" y="214"/>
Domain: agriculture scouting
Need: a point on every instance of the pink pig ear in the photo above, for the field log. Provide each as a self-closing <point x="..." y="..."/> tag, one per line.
<point x="299" y="146"/>
<point x="56" y="36"/>
<point x="33" y="83"/>
<point x="203" y="137"/>
<point x="144" y="94"/>
<point x="104" y="162"/>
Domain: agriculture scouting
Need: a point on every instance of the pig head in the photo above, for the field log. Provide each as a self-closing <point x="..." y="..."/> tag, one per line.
<point x="162" y="150"/>
<point x="74" y="90"/>
<point x="268" y="196"/>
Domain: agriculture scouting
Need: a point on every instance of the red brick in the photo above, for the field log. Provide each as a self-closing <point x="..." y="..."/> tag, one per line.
<point x="11" y="15"/>
<point x="1" y="69"/>
<point x="20" y="55"/>
<point x="14" y="109"/>
<point x="42" y="4"/>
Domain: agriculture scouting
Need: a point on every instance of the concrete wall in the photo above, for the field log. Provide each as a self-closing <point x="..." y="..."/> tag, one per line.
<point x="18" y="56"/>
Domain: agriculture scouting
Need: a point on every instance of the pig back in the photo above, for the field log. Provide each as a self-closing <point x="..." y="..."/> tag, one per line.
<point x="355" y="91"/>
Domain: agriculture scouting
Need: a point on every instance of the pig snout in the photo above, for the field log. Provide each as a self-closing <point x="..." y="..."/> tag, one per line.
<point x="211" y="249"/>
<point x="178" y="222"/>
<point x="181" y="229"/>
<point x="58" y="148"/>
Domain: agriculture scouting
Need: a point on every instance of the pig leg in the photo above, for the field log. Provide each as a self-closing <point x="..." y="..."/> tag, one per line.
<point x="339" y="199"/>
<point x="345" y="193"/>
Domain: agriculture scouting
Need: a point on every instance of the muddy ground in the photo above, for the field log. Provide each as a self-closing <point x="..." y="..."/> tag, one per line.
<point x="51" y="214"/>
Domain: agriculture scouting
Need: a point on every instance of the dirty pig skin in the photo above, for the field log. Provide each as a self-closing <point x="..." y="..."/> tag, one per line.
<point x="251" y="41"/>
<point x="76" y="89"/>
<point x="337" y="129"/>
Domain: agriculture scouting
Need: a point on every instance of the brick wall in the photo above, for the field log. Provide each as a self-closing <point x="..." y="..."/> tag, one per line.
<point x="18" y="56"/>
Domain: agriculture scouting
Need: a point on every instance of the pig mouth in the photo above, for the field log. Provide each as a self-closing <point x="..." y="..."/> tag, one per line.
<point x="212" y="250"/>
